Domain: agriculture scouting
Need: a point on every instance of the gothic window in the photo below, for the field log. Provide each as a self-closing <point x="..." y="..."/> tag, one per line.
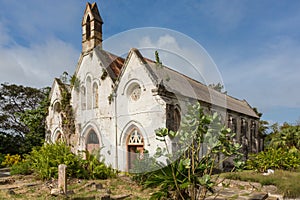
<point x="253" y="128"/>
<point x="83" y="97"/>
<point x="173" y="118"/>
<point x="92" y="138"/>
<point x="95" y="96"/>
<point x="244" y="127"/>
<point x="88" y="93"/>
<point x="92" y="142"/>
<point x="88" y="27"/>
<point x="232" y="124"/>
<point x="56" y="107"/>
<point x="135" y="138"/>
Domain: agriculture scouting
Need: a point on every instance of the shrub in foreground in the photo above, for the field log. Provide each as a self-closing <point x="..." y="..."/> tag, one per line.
<point x="10" y="160"/>
<point x="44" y="163"/>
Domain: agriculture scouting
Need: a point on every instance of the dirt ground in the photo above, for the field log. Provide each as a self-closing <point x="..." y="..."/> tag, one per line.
<point x="27" y="187"/>
<point x="122" y="187"/>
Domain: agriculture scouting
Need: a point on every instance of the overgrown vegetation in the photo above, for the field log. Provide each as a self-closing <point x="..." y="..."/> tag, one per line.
<point x="10" y="160"/>
<point x="272" y="158"/>
<point x="22" y="118"/>
<point x="188" y="174"/>
<point x="44" y="163"/>
<point x="287" y="182"/>
<point x="282" y="151"/>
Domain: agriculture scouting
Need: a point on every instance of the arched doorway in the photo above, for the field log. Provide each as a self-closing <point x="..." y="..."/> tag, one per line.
<point x="92" y="142"/>
<point x="135" y="147"/>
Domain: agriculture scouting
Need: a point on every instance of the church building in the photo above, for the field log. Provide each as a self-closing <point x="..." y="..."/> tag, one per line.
<point x="114" y="104"/>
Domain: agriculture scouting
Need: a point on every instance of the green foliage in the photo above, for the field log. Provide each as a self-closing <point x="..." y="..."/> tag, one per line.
<point x="22" y="117"/>
<point x="218" y="87"/>
<point x="75" y="82"/>
<point x="10" y="160"/>
<point x="45" y="160"/>
<point x="23" y="168"/>
<point x="274" y="159"/>
<point x="44" y="163"/>
<point x="287" y="137"/>
<point x="94" y="167"/>
<point x="104" y="74"/>
<point x="141" y="166"/>
<point x="157" y="59"/>
<point x="189" y="173"/>
<point x="2" y="158"/>
<point x="68" y="124"/>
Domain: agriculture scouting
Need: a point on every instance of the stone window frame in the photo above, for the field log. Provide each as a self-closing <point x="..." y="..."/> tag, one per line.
<point x="173" y="117"/>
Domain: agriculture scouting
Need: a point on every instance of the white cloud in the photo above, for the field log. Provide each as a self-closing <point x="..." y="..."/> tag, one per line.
<point x="37" y="64"/>
<point x="269" y="80"/>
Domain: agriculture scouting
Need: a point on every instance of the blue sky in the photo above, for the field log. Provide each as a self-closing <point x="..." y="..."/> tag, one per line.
<point x="255" y="44"/>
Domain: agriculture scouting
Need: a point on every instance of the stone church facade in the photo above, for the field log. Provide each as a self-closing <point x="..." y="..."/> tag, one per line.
<point x="114" y="105"/>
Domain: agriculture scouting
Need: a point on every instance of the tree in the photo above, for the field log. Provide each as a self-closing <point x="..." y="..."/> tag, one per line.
<point x="22" y="116"/>
<point x="218" y="87"/>
<point x="287" y="137"/>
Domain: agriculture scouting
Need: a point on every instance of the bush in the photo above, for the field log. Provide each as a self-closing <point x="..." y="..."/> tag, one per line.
<point x="23" y="167"/>
<point x="94" y="167"/>
<point x="274" y="159"/>
<point x="2" y="157"/>
<point x="10" y="160"/>
<point x="44" y="162"/>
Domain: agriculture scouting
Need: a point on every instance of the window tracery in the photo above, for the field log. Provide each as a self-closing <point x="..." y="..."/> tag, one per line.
<point x="135" y="138"/>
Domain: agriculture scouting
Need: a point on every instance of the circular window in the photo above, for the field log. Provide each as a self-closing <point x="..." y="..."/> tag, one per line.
<point x="136" y="93"/>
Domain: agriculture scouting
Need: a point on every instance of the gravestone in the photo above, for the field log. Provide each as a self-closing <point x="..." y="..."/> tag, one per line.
<point x="62" y="178"/>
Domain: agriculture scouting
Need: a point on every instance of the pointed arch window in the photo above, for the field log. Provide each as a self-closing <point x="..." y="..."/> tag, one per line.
<point x="88" y="27"/>
<point x="92" y="138"/>
<point x="88" y="93"/>
<point x="83" y="97"/>
<point x="92" y="142"/>
<point x="56" y="107"/>
<point x="95" y="96"/>
<point x="232" y="124"/>
<point x="173" y="117"/>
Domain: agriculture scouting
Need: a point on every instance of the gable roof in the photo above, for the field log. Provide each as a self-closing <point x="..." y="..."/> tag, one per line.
<point x="61" y="86"/>
<point x="112" y="63"/>
<point x="180" y="84"/>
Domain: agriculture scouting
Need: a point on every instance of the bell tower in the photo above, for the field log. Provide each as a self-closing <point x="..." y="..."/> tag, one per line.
<point x="91" y="28"/>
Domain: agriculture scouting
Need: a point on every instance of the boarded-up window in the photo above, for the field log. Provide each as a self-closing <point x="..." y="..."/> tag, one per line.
<point x="92" y="141"/>
<point x="173" y="118"/>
